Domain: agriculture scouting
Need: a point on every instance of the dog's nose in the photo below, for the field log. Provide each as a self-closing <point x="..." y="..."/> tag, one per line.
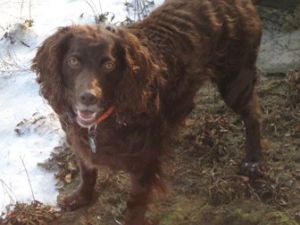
<point x="88" y="98"/>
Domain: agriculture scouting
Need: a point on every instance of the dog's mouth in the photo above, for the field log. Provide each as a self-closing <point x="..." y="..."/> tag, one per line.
<point x="86" y="118"/>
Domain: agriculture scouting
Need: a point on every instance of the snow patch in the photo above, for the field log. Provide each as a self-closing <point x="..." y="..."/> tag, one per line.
<point x="20" y="100"/>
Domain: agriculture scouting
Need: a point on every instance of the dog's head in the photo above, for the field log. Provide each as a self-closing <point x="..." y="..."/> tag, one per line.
<point x="88" y="69"/>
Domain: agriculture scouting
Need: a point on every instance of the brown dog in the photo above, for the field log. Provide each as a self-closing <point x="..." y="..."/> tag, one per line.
<point x="120" y="93"/>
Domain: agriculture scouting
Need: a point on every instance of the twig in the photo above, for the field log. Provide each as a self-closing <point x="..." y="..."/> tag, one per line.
<point x="28" y="179"/>
<point x="21" y="9"/>
<point x="100" y="6"/>
<point x="94" y="6"/>
<point x="117" y="221"/>
<point x="25" y="44"/>
<point x="91" y="6"/>
<point x="8" y="191"/>
<point x="137" y="9"/>
<point x="30" y="10"/>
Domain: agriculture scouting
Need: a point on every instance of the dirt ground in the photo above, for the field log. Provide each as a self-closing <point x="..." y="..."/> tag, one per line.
<point x="204" y="185"/>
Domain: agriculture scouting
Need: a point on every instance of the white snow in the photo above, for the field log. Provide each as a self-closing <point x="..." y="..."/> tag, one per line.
<point x="19" y="100"/>
<point x="19" y="93"/>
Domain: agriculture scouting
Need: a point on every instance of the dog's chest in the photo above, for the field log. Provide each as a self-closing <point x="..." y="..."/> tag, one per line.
<point x="112" y="147"/>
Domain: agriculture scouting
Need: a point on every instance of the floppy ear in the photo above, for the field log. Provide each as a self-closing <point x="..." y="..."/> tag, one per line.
<point x="47" y="64"/>
<point x="136" y="92"/>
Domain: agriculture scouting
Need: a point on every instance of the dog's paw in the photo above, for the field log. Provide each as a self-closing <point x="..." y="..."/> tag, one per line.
<point x="253" y="170"/>
<point x="73" y="201"/>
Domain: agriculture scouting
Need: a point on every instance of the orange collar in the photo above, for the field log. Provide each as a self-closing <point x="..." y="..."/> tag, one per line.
<point x="105" y="115"/>
<point x="92" y="129"/>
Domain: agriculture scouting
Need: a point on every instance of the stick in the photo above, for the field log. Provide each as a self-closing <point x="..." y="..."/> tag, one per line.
<point x="8" y="191"/>
<point x="28" y="179"/>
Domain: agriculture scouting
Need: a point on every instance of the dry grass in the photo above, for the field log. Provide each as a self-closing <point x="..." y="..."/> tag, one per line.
<point x="34" y="213"/>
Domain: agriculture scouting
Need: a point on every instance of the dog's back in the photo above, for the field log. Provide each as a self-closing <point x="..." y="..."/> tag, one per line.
<point x="201" y="32"/>
<point x="201" y="40"/>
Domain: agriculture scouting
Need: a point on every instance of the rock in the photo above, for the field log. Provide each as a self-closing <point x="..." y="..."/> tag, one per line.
<point x="280" y="48"/>
<point x="37" y="124"/>
<point x="20" y="33"/>
<point x="279" y="4"/>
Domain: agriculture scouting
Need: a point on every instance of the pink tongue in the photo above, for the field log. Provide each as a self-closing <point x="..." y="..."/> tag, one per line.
<point x="86" y="115"/>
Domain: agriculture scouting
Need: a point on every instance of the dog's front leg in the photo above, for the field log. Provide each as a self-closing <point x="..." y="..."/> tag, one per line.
<point x="84" y="193"/>
<point x="139" y="198"/>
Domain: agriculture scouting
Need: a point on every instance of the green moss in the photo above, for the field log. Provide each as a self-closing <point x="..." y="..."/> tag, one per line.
<point x="173" y="217"/>
<point x="278" y="218"/>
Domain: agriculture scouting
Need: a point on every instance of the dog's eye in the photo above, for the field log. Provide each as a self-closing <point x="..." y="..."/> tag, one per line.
<point x="109" y="65"/>
<point x="73" y="62"/>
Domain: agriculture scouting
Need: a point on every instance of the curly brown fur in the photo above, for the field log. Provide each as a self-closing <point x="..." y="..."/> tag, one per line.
<point x="150" y="72"/>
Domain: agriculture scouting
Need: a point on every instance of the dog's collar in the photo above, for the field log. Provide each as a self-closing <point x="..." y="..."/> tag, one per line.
<point x="105" y="115"/>
<point x="92" y="129"/>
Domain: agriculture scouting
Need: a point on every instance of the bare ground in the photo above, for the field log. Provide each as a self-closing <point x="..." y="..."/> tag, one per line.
<point x="205" y="187"/>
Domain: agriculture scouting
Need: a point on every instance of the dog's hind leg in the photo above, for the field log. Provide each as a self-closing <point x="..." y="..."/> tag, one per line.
<point x="239" y="94"/>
